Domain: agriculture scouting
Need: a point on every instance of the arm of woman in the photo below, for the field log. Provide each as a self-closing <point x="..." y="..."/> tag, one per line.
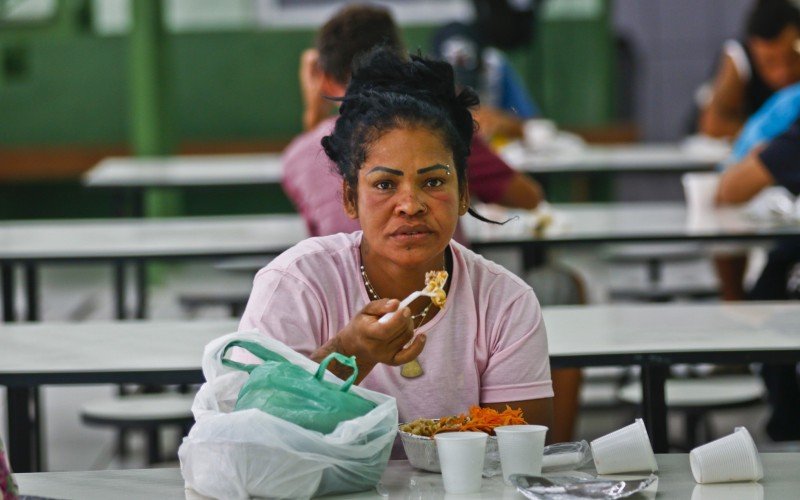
<point x="744" y="180"/>
<point x="372" y="342"/>
<point x="723" y="115"/>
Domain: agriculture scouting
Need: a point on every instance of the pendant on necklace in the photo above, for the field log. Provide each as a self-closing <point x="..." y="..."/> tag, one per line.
<point x="412" y="369"/>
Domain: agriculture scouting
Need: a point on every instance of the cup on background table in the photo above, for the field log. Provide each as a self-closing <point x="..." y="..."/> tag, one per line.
<point x="624" y="450"/>
<point x="700" y="189"/>
<point x="521" y="449"/>
<point x="730" y="458"/>
<point x="461" y="457"/>
<point x="539" y="133"/>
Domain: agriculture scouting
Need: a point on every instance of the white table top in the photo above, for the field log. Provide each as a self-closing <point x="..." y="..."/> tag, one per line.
<point x="265" y="168"/>
<point x="95" y="352"/>
<point x="672" y="328"/>
<point x="62" y="351"/>
<point x="269" y="234"/>
<point x="647" y="157"/>
<point x="621" y="222"/>
<point x="194" y="170"/>
<point x="165" y="237"/>
<point x="401" y="481"/>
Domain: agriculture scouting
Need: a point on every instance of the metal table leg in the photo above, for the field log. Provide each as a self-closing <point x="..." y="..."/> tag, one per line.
<point x="654" y="404"/>
<point x="119" y="289"/>
<point x="32" y="291"/>
<point x="141" y="289"/>
<point x="23" y="438"/>
<point x="7" y="278"/>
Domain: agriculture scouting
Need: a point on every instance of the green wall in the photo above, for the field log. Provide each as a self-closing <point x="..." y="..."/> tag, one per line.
<point x="234" y="86"/>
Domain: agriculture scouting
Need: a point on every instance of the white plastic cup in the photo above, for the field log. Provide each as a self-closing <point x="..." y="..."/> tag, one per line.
<point x="461" y="457"/>
<point x="539" y="133"/>
<point x="700" y="190"/>
<point x="521" y="449"/>
<point x="624" y="450"/>
<point x="728" y="459"/>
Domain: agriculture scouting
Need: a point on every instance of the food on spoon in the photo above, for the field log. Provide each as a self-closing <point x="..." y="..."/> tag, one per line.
<point x="477" y="419"/>
<point x="434" y="283"/>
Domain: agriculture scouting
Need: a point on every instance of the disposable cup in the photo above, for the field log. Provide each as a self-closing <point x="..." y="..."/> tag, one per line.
<point x="461" y="457"/>
<point x="700" y="190"/>
<point x="730" y="458"/>
<point x="624" y="450"/>
<point x="521" y="449"/>
<point x="739" y="491"/>
<point x="539" y="133"/>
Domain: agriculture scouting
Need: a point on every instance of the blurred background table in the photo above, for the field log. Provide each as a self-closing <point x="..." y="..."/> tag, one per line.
<point x="27" y="243"/>
<point x="188" y="170"/>
<point x="39" y="354"/>
<point x="657" y="336"/>
<point x="634" y="157"/>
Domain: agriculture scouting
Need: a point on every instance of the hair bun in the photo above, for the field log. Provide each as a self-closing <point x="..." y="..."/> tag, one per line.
<point x="330" y="149"/>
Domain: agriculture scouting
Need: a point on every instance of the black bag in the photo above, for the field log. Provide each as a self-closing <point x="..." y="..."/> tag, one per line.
<point x="506" y="24"/>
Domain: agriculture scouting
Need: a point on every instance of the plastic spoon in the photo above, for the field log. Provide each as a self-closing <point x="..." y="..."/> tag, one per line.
<point x="425" y="292"/>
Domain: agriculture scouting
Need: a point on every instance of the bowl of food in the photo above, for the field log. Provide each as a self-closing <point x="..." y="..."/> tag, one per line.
<point x="420" y="447"/>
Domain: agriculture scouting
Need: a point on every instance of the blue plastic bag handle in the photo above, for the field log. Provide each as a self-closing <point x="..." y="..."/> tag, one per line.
<point x="345" y="360"/>
<point x="265" y="354"/>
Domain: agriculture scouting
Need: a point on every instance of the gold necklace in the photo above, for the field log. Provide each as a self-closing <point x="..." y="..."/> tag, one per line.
<point x="413" y="368"/>
<point x="373" y="295"/>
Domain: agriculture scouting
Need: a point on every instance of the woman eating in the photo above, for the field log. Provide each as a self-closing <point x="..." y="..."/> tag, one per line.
<point x="401" y="144"/>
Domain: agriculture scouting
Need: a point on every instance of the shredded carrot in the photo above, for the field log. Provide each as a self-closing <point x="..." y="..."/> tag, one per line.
<point x="481" y="419"/>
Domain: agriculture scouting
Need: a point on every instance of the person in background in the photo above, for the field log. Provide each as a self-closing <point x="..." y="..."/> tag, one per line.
<point x="400" y="146"/>
<point x="505" y="103"/>
<point x="748" y="75"/>
<point x="750" y="72"/>
<point x="776" y="162"/>
<point x="311" y="182"/>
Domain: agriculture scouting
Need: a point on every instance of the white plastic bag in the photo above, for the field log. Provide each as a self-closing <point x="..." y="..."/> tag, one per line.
<point x="251" y="453"/>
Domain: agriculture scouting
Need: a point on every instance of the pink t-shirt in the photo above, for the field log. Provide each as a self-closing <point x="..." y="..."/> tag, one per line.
<point x="311" y="181"/>
<point x="488" y="344"/>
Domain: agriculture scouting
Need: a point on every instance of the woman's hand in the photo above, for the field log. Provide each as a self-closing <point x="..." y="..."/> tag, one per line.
<point x="371" y="342"/>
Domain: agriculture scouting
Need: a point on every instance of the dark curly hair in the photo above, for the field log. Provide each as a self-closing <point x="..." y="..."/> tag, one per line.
<point x="769" y="18"/>
<point x="388" y="92"/>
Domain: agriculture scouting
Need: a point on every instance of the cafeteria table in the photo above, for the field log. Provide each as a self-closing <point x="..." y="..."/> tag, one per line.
<point x="400" y="480"/>
<point x="265" y="168"/>
<point x="185" y="171"/>
<point x="26" y="244"/>
<point x="657" y="336"/>
<point x="652" y="336"/>
<point x="124" y="352"/>
<point x="614" y="158"/>
<point x="575" y="224"/>
<point x="592" y="223"/>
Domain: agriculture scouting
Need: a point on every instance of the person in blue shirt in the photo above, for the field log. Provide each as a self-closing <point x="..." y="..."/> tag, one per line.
<point x="505" y="102"/>
<point x="775" y="161"/>
<point x="769" y="121"/>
